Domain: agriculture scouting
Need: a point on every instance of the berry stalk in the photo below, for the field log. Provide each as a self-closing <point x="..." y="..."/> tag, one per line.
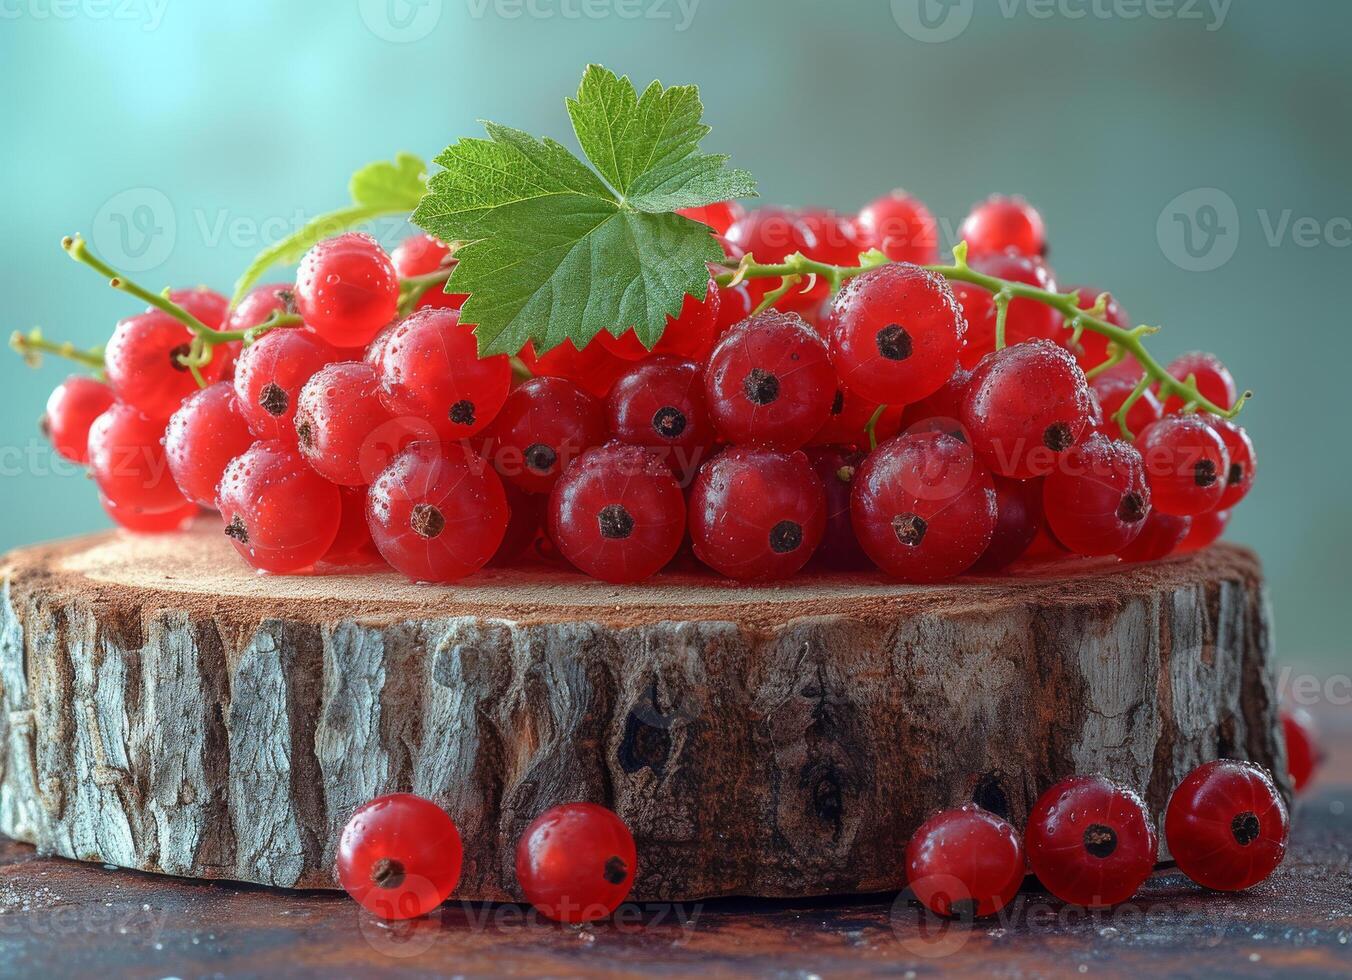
<point x="1123" y="342"/>
<point x="32" y="345"/>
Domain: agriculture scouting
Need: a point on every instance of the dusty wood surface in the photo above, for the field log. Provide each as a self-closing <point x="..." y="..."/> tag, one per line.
<point x="166" y="709"/>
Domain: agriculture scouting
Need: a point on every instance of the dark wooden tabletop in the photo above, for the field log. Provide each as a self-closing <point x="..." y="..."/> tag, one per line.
<point x="60" y="918"/>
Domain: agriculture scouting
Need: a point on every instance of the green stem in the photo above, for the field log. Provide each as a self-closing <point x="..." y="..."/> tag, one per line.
<point x="774" y="296"/>
<point x="32" y="345"/>
<point x="1125" y="341"/>
<point x="1002" y="301"/>
<point x="872" y="427"/>
<point x="414" y="288"/>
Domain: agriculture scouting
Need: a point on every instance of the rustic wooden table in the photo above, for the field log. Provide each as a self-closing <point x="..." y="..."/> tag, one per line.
<point x="60" y="918"/>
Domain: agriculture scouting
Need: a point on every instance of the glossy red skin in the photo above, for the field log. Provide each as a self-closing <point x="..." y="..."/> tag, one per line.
<point x="462" y="488"/>
<point x="1200" y="825"/>
<point x="1111" y="391"/>
<point x="260" y="303"/>
<point x="545" y="424"/>
<point x="576" y="862"/>
<point x="1027" y="319"/>
<point x="150" y="522"/>
<point x="901" y="227"/>
<point x="783" y="347"/>
<point x="528" y="513"/>
<point x="740" y="499"/>
<point x="1000" y="223"/>
<point x="142" y="365"/>
<point x="1161" y="536"/>
<point x="126" y="460"/>
<point x="1098" y="499"/>
<point x="968" y="858"/>
<point x="286" y="359"/>
<point x="1092" y="349"/>
<point x="72" y="407"/>
<point x="353" y="548"/>
<point x="1024" y="402"/>
<point x="429" y="368"/>
<point x="344" y="430"/>
<point x="1186" y="462"/>
<point x="594" y="368"/>
<point x="942" y="407"/>
<point x="934" y="477"/>
<point x="719" y="217"/>
<point x="207" y="305"/>
<point x="880" y="302"/>
<point x="1018" y="517"/>
<point x="772" y="234"/>
<point x="280" y="515"/>
<point x="641" y="483"/>
<point x="1214" y="381"/>
<point x="659" y="404"/>
<point x="836" y="466"/>
<point x="1206" y="530"/>
<point x="847" y="425"/>
<point x="1239" y="475"/>
<point x="409" y="830"/>
<point x="347" y="289"/>
<point x="1055" y="840"/>
<point x="1303" y="755"/>
<point x="203" y="436"/>
<point x="421" y="255"/>
<point x="690" y="334"/>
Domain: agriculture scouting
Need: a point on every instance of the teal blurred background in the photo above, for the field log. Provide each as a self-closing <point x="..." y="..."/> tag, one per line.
<point x="182" y="137"/>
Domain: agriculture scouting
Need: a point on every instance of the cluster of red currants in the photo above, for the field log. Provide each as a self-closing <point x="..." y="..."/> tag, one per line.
<point x="399" y="857"/>
<point x="1091" y="842"/>
<point x="363" y="439"/>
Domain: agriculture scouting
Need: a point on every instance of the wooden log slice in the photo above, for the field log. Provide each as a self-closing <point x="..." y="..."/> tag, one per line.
<point x="167" y="709"/>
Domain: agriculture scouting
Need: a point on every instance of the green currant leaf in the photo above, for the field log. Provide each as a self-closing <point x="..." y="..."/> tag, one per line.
<point x="378" y="190"/>
<point x="555" y="250"/>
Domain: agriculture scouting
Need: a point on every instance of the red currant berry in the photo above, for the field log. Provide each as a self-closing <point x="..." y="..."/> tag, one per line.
<point x="594" y="369"/>
<point x="528" y="514"/>
<point x="1090" y="842"/>
<point x="1187" y="463"/>
<point x="757" y="514"/>
<point x="1097" y="500"/>
<point x="269" y="378"/>
<point x="144" y="366"/>
<point x="837" y="241"/>
<point x="1025" y="407"/>
<point x="836" y="467"/>
<point x="1206" y="530"/>
<point x="544" y="425"/>
<point x="1018" y="518"/>
<point x="942" y="407"/>
<point x="618" y="514"/>
<point x="150" y="522"/>
<point x="769" y="382"/>
<point x="72" y="408"/>
<point x="353" y="548"/>
<point x="999" y="223"/>
<point x="923" y="507"/>
<point x="347" y="289"/>
<point x="1214" y="382"/>
<point x="1239" y="475"/>
<point x="847" y="425"/>
<point x="126" y="460"/>
<point x="1111" y="391"/>
<point x="720" y="217"/>
<point x="1303" y="755"/>
<point x="344" y="430"/>
<point x="438" y="512"/>
<point x="1161" y="535"/>
<point x="422" y="255"/>
<point x="689" y="334"/>
<point x="207" y="305"/>
<point x="965" y="862"/>
<point x="901" y="227"/>
<point x="1227" y="826"/>
<point x="430" y="368"/>
<point x="771" y="235"/>
<point x="260" y="304"/>
<point x="895" y="333"/>
<point x="281" y="515"/>
<point x="399" y="856"/>
<point x="660" y="404"/>
<point x="204" y="435"/>
<point x="576" y="862"/>
<point x="1027" y="319"/>
<point x="1092" y="349"/>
